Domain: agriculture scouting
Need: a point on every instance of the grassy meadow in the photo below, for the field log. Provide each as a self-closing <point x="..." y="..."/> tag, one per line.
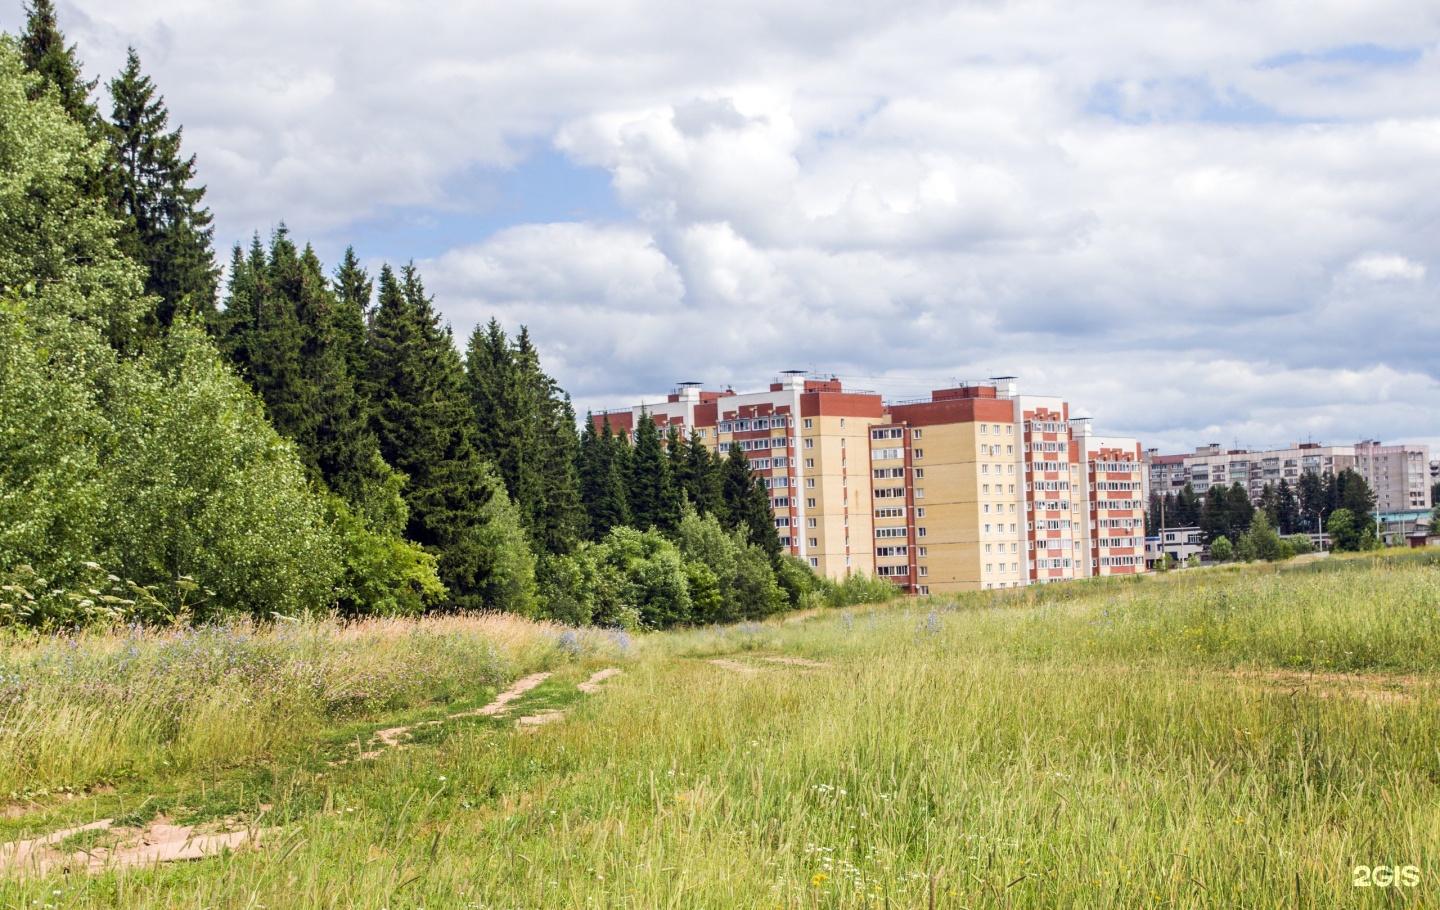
<point x="1235" y="737"/>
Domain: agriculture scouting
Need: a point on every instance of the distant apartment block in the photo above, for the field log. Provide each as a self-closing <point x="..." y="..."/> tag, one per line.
<point x="1398" y="473"/>
<point x="975" y="487"/>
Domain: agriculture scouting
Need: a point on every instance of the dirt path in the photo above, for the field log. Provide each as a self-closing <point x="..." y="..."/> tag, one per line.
<point x="1373" y="687"/>
<point x="592" y="685"/>
<point x="122" y="848"/>
<point x="116" y="847"/>
<point x="795" y="662"/>
<point x="390" y="736"/>
<point x="734" y="666"/>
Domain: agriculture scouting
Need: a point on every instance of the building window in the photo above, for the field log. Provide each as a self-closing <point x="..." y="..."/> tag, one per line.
<point x="809" y="443"/>
<point x="810" y="522"/>
<point x="919" y="453"/>
<point x="1008" y="430"/>
<point x="915" y="434"/>
<point x="923" y="551"/>
<point x="809" y="423"/>
<point x="814" y="563"/>
<point x="924" y="571"/>
<point x="810" y="504"/>
<point x="810" y="483"/>
<point x="919" y="473"/>
<point x="919" y="492"/>
<point x="924" y="589"/>
<point x="842" y="424"/>
<point x="919" y="532"/>
<point x="810" y="463"/>
<point x="920" y="512"/>
<point x="814" y="541"/>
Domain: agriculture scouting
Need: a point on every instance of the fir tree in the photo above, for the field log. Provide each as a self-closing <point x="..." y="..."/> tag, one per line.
<point x="703" y="478"/>
<point x="1312" y="501"/>
<point x="1287" y="509"/>
<point x="281" y="328"/>
<point x="602" y="480"/>
<point x="1187" y="507"/>
<point x="43" y="50"/>
<point x="525" y="426"/>
<point x="654" y="501"/>
<point x="747" y="503"/>
<point x="423" y="418"/>
<point x="353" y="289"/>
<point x="166" y="228"/>
<point x="1353" y="493"/>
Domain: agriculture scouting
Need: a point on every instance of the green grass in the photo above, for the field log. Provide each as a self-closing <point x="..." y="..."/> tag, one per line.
<point x="1241" y="737"/>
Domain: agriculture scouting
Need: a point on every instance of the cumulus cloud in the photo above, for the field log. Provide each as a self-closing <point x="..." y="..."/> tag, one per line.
<point x="1197" y="220"/>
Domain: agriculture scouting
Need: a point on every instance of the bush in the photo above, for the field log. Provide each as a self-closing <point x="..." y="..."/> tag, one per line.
<point x="1222" y="550"/>
<point x="860" y="588"/>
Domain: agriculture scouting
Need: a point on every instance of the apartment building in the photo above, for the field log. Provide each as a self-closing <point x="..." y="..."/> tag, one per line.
<point x="1396" y="473"/>
<point x="800" y="436"/>
<point x="1113" y="511"/>
<point x="971" y="488"/>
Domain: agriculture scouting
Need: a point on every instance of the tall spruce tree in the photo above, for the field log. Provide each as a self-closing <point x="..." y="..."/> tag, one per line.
<point x="1287" y="509"/>
<point x="525" y="426"/>
<point x="423" y="417"/>
<point x="1187" y="507"/>
<point x="747" y="503"/>
<point x="353" y="290"/>
<point x="703" y="478"/>
<point x="1312" y="501"/>
<point x="603" y="488"/>
<point x="44" y="52"/>
<point x="280" y="327"/>
<point x="654" y="500"/>
<point x="167" y="230"/>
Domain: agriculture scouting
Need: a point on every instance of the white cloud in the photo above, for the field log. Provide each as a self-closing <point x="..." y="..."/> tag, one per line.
<point x="1388" y="267"/>
<point x="1196" y="219"/>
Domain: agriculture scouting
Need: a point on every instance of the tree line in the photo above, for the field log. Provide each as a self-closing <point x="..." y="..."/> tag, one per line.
<point x="1342" y="504"/>
<point x="310" y="439"/>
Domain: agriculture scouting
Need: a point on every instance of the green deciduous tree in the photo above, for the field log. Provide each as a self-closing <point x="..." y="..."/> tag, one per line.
<point x="58" y="244"/>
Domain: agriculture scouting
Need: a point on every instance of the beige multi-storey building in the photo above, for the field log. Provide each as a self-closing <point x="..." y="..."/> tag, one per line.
<point x="972" y="488"/>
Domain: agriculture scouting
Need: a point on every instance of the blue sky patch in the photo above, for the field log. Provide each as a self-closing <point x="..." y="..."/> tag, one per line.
<point x="1358" y="54"/>
<point x="544" y="187"/>
<point x="1178" y="100"/>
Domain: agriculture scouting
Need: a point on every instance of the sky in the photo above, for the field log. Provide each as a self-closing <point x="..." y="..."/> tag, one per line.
<point x="1198" y="221"/>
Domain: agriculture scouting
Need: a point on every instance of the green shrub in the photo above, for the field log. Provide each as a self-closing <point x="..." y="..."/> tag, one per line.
<point x="860" y="588"/>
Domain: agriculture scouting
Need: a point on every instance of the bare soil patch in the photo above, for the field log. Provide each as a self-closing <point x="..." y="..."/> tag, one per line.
<point x="796" y="662"/>
<point x="735" y="666"/>
<point x="1369" y="687"/>
<point x="116" y="847"/>
<point x="592" y="685"/>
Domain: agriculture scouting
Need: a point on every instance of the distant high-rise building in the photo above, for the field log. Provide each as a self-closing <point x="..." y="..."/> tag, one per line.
<point x="974" y="487"/>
